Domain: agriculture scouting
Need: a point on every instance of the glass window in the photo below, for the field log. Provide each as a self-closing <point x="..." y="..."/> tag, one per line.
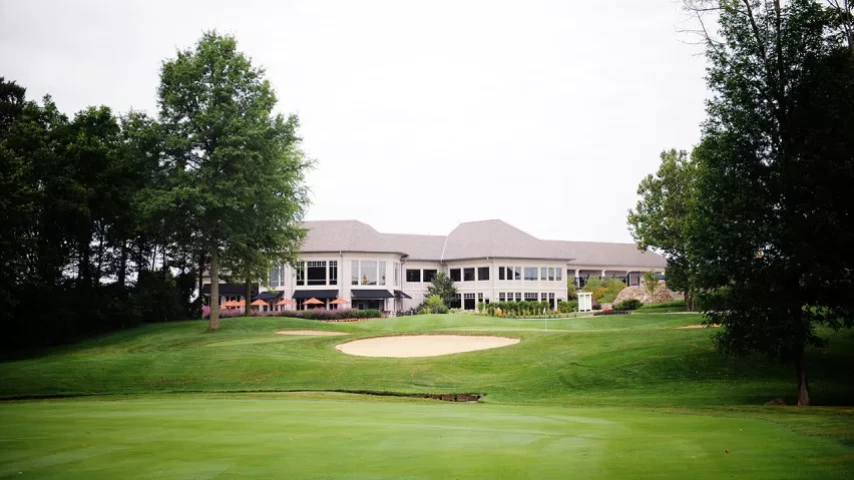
<point x="396" y="267"/>
<point x="518" y="296"/>
<point x="544" y="273"/>
<point x="354" y="272"/>
<point x="274" y="276"/>
<point x="468" y="274"/>
<point x="552" y="274"/>
<point x="333" y="272"/>
<point x="382" y="273"/>
<point x="368" y="272"/>
<point x="517" y="273"/>
<point x="530" y="273"/>
<point x="482" y="273"/>
<point x="413" y="276"/>
<point x="531" y="296"/>
<point x="300" y="271"/>
<point x="429" y="275"/>
<point x="558" y="273"/>
<point x="501" y="273"/>
<point x="316" y="272"/>
<point x="455" y="274"/>
<point x="501" y="296"/>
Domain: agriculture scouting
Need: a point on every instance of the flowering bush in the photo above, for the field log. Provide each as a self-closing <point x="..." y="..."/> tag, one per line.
<point x="313" y="314"/>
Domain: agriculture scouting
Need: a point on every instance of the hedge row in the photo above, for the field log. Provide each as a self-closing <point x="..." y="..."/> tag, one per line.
<point x="313" y="314"/>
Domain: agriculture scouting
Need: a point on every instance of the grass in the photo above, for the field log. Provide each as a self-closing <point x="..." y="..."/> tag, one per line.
<point x="603" y="397"/>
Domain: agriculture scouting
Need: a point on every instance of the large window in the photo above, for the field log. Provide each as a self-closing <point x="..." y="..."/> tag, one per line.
<point x="552" y="274"/>
<point x="333" y="272"/>
<point x="300" y="272"/>
<point x="468" y="274"/>
<point x="531" y="273"/>
<point x="274" y="276"/>
<point x="413" y="276"/>
<point x="396" y="267"/>
<point x="530" y="296"/>
<point x="382" y="273"/>
<point x="517" y="273"/>
<point x="455" y="274"/>
<point x="544" y="273"/>
<point x="429" y="275"/>
<point x="501" y="273"/>
<point x="482" y="273"/>
<point x="316" y="272"/>
<point x="558" y="274"/>
<point x="354" y="272"/>
<point x="368" y="272"/>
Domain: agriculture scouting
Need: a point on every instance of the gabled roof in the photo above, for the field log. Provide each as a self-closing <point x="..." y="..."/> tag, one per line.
<point x="419" y="247"/>
<point x="606" y="254"/>
<point x="495" y="238"/>
<point x="344" y="236"/>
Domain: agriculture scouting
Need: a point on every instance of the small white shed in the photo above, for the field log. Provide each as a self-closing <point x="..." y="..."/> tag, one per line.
<point x="585" y="301"/>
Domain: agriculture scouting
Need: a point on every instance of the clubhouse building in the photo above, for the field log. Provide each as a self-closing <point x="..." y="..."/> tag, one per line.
<point x="488" y="261"/>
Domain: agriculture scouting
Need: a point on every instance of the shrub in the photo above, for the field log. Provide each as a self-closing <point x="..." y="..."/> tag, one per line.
<point x="596" y="305"/>
<point x="431" y="305"/>
<point x="630" y="304"/>
<point x="567" y="307"/>
<point x="318" y="314"/>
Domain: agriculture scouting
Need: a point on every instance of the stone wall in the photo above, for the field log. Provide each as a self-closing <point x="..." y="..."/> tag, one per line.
<point x="662" y="294"/>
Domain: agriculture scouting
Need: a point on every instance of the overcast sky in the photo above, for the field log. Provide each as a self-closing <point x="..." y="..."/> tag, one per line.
<point x="420" y="115"/>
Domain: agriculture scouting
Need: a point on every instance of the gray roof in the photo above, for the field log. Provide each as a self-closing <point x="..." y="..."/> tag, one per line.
<point x="497" y="239"/>
<point x="470" y="240"/>
<point x="344" y="236"/>
<point x="608" y="254"/>
<point x="419" y="247"/>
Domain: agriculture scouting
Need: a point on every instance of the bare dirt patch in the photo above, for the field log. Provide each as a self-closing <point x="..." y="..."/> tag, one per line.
<point x="310" y="333"/>
<point x="697" y="326"/>
<point x="410" y="346"/>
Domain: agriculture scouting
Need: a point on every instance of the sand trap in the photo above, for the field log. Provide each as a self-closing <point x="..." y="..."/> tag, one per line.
<point x="409" y="346"/>
<point x="310" y="333"/>
<point x="698" y="326"/>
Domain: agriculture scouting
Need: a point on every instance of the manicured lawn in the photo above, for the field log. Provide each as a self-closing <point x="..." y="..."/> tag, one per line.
<point x="603" y="397"/>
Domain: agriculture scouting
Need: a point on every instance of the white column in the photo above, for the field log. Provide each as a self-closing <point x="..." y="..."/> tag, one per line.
<point x="578" y="278"/>
<point x="603" y="274"/>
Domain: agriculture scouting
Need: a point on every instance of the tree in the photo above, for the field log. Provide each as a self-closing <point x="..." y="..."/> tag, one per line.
<point x="234" y="164"/>
<point x="433" y="304"/>
<point x="650" y="282"/>
<point x="770" y="234"/>
<point x="659" y="219"/>
<point x="443" y="287"/>
<point x="571" y="289"/>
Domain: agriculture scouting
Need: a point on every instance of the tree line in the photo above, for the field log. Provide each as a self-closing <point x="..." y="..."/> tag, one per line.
<point x="111" y="220"/>
<point x="757" y="222"/>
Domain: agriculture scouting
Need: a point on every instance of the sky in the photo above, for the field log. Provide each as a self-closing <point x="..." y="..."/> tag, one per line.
<point x="419" y="115"/>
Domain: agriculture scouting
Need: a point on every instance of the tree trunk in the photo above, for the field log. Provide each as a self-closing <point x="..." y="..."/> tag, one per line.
<point x="689" y="301"/>
<point x="248" y="296"/>
<point x="803" y="384"/>
<point x="201" y="272"/>
<point x="214" y="322"/>
<point x="100" y="257"/>
<point x="123" y="266"/>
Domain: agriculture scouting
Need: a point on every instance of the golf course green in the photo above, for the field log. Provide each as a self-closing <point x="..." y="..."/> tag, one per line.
<point x="601" y="397"/>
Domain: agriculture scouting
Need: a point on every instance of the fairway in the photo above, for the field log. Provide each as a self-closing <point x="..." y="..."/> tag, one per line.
<point x="603" y="397"/>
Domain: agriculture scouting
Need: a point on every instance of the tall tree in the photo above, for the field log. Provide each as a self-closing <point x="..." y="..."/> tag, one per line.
<point x="233" y="161"/>
<point x="771" y="232"/>
<point x="444" y="287"/>
<point x="659" y="219"/>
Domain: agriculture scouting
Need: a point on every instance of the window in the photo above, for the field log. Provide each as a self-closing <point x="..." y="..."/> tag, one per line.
<point x="396" y="267"/>
<point x="530" y="273"/>
<point x="316" y="272"/>
<point x="455" y="274"/>
<point x="517" y="273"/>
<point x="482" y="273"/>
<point x="456" y="302"/>
<point x="558" y="273"/>
<point x="354" y="272"/>
<point x="333" y="272"/>
<point x="552" y="274"/>
<point x="501" y="273"/>
<point x="413" y="276"/>
<point x="382" y="273"/>
<point x="530" y="296"/>
<point x="518" y="296"/>
<point x="544" y="273"/>
<point x="468" y="274"/>
<point x="501" y="295"/>
<point x="274" y="276"/>
<point x="429" y="275"/>
<point x="368" y="272"/>
<point x="300" y="271"/>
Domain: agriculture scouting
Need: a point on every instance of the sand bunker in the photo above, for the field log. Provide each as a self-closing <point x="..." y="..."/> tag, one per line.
<point x="310" y="332"/>
<point x="698" y="326"/>
<point x="409" y="346"/>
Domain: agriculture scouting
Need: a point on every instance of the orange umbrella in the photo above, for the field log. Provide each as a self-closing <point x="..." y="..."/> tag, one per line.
<point x="285" y="301"/>
<point x="312" y="301"/>
<point x="259" y="303"/>
<point x="339" y="301"/>
<point x="227" y="304"/>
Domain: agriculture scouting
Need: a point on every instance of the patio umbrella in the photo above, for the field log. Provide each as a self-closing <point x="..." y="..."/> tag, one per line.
<point x="339" y="301"/>
<point x="228" y="304"/>
<point x="259" y="303"/>
<point x="312" y="301"/>
<point x="285" y="301"/>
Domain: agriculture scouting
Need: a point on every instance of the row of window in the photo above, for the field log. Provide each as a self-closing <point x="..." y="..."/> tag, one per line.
<point x="414" y="275"/>
<point x="531" y="274"/>
<point x="367" y="272"/>
<point x="317" y="272"/>
<point x="528" y="297"/>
